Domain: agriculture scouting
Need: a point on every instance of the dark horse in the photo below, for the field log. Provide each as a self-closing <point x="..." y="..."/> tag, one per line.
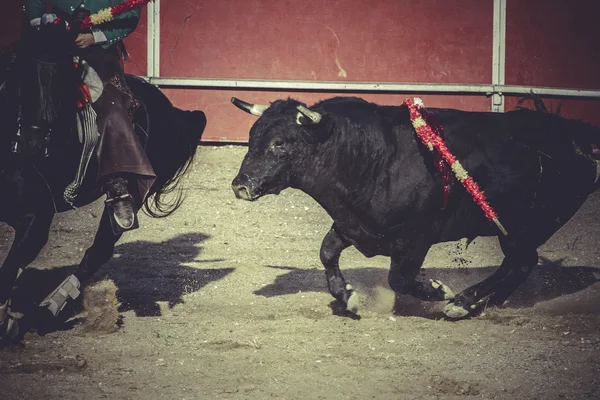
<point x="40" y="152"/>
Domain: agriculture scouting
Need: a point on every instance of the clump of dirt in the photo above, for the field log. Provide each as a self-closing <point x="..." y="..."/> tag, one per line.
<point x="448" y="386"/>
<point x="101" y="307"/>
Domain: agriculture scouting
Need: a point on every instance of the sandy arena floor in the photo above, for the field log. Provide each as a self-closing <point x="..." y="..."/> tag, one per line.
<point x="227" y="299"/>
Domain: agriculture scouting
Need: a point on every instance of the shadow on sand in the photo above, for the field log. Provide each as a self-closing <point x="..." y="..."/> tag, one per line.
<point x="144" y="272"/>
<point x="549" y="282"/>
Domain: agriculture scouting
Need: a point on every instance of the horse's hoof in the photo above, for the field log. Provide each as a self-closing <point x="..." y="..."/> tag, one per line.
<point x="9" y="331"/>
<point x="56" y="301"/>
<point x="455" y="312"/>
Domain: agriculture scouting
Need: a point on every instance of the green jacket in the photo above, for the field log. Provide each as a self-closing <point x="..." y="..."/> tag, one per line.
<point x="36" y="8"/>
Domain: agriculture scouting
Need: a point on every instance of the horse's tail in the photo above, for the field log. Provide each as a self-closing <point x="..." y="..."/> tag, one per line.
<point x="166" y="194"/>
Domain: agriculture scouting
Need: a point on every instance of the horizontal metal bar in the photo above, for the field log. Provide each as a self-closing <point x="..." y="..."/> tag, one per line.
<point x="546" y="91"/>
<point x="321" y="85"/>
<point x="389" y="87"/>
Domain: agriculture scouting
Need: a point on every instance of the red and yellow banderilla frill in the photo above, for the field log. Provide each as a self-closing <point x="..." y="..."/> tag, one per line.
<point x="108" y="14"/>
<point x="434" y="141"/>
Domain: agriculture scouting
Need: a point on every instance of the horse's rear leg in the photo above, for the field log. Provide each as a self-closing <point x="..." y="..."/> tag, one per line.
<point x="519" y="261"/>
<point x="31" y="235"/>
<point x="99" y="253"/>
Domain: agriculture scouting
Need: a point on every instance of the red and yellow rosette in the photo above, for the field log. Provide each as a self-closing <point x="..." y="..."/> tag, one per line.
<point x="434" y="141"/>
<point x="108" y="14"/>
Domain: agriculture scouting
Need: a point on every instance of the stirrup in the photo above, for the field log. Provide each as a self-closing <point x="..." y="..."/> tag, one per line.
<point x="57" y="300"/>
<point x="116" y="225"/>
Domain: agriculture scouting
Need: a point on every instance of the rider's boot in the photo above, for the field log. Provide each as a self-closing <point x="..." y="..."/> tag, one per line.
<point x="120" y="204"/>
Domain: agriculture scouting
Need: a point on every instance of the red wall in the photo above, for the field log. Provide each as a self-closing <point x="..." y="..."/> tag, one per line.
<point x="548" y="43"/>
<point x="352" y="40"/>
<point x="431" y="41"/>
<point x="137" y="47"/>
<point x="555" y="44"/>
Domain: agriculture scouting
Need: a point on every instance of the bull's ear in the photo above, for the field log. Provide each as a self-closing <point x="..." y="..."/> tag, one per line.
<point x="315" y="133"/>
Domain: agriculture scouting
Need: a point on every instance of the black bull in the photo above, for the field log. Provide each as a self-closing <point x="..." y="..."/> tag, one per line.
<point x="364" y="164"/>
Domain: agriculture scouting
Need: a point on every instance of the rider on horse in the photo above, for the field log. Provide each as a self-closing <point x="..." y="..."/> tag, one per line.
<point x="121" y="158"/>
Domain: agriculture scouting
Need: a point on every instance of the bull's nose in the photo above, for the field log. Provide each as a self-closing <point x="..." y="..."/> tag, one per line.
<point x="241" y="192"/>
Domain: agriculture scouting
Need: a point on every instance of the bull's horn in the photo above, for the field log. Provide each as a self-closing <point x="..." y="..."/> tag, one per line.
<point x="313" y="116"/>
<point x="254" y="109"/>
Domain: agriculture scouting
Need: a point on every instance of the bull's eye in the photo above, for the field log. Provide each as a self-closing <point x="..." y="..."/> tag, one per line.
<point x="277" y="143"/>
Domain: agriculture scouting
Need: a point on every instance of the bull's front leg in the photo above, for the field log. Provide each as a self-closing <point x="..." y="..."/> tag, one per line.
<point x="406" y="261"/>
<point x="331" y="249"/>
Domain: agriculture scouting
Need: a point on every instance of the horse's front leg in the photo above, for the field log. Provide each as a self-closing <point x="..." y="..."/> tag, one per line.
<point x="99" y="253"/>
<point x="31" y="235"/>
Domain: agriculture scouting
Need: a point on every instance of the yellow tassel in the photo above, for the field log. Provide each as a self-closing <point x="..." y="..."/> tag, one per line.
<point x="101" y="16"/>
<point x="419" y="122"/>
<point x="459" y="171"/>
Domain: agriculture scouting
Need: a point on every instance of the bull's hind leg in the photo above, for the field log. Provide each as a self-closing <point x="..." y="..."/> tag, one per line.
<point x="519" y="261"/>
<point x="407" y="260"/>
<point x="331" y="249"/>
<point x="98" y="254"/>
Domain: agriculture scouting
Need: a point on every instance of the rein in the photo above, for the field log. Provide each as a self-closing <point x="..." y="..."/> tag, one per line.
<point x="45" y="109"/>
<point x="433" y="140"/>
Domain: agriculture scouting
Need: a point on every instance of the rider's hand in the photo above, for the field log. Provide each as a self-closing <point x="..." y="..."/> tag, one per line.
<point x="85" y="40"/>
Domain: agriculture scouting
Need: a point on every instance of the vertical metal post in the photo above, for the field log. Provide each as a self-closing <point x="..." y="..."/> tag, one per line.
<point x="153" y="40"/>
<point x="150" y="40"/>
<point x="156" y="41"/>
<point x="499" y="53"/>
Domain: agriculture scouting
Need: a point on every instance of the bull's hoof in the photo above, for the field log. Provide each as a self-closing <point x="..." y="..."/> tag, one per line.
<point x="352" y="301"/>
<point x="444" y="292"/>
<point x="455" y="312"/>
<point x="9" y="332"/>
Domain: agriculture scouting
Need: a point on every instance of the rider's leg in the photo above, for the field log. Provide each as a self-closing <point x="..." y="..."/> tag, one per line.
<point x="122" y="159"/>
<point x="121" y="156"/>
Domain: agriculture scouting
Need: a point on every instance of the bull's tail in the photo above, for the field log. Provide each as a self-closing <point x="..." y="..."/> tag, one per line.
<point x="174" y="160"/>
<point x="587" y="138"/>
<point x="538" y="104"/>
<point x="585" y="135"/>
